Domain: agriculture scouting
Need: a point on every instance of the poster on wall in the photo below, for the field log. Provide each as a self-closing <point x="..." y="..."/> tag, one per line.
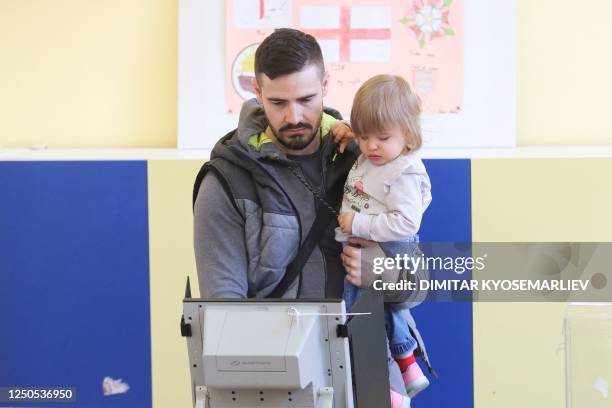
<point x="458" y="55"/>
<point x="421" y="40"/>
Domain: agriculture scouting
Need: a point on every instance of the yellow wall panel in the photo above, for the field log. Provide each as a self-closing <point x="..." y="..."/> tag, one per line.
<point x="172" y="260"/>
<point x="518" y="355"/>
<point x="563" y="73"/>
<point x="518" y="347"/>
<point x="88" y="74"/>
<point x="541" y="199"/>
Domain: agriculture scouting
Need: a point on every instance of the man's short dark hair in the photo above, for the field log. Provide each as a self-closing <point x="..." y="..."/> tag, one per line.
<point x="286" y="51"/>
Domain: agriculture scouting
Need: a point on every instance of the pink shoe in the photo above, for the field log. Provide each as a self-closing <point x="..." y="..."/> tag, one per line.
<point x="398" y="400"/>
<point x="415" y="380"/>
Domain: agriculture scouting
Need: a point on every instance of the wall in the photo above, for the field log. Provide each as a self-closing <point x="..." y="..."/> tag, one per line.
<point x="172" y="260"/>
<point x="518" y="347"/>
<point x="78" y="245"/>
<point x="104" y="73"/>
<point x="104" y="248"/>
<point x="563" y="73"/>
<point x="88" y="74"/>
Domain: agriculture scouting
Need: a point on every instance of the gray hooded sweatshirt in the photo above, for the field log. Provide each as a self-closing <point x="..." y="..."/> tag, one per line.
<point x="252" y="213"/>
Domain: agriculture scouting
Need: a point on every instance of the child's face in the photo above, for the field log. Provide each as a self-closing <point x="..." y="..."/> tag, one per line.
<point x="382" y="147"/>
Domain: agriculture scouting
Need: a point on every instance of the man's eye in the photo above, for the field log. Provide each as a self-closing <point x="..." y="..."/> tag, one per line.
<point x="277" y="103"/>
<point x="304" y="100"/>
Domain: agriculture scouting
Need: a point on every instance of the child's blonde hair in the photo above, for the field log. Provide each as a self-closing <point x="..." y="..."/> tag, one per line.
<point x="385" y="100"/>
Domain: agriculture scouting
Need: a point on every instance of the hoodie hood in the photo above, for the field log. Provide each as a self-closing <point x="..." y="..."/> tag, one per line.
<point x="248" y="136"/>
<point x="247" y="148"/>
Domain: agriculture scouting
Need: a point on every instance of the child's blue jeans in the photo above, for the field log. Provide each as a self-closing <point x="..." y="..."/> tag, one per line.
<point x="401" y="341"/>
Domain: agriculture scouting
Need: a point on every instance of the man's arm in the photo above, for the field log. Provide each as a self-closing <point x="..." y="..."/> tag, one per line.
<point x="220" y="249"/>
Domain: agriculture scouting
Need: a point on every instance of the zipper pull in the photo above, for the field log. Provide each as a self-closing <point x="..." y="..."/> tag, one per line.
<point x="335" y="153"/>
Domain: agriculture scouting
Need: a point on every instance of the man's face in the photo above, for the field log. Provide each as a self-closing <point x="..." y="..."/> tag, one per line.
<point x="293" y="105"/>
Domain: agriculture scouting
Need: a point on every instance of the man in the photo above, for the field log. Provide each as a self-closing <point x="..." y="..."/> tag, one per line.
<point x="268" y="179"/>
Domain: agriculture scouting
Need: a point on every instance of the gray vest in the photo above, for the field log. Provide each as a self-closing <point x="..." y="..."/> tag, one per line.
<point x="278" y="211"/>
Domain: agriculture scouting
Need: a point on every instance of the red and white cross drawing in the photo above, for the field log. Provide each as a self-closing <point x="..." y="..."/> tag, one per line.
<point x="344" y="33"/>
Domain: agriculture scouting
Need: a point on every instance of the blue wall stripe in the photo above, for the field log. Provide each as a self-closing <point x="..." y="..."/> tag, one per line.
<point x="74" y="278"/>
<point x="445" y="326"/>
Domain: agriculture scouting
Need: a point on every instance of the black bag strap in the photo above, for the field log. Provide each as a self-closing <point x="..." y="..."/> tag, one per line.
<point x="322" y="220"/>
<point x="209" y="167"/>
<point x="325" y="214"/>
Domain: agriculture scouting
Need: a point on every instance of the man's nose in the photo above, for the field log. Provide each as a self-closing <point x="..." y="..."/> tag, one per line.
<point x="294" y="114"/>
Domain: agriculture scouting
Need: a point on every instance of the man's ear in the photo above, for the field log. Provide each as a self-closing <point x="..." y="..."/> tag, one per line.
<point x="325" y="82"/>
<point x="257" y="90"/>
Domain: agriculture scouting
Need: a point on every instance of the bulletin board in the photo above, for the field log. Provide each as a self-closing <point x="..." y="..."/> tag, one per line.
<point x="459" y="56"/>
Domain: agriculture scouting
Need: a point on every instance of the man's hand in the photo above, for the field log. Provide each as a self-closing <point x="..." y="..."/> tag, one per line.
<point x="351" y="259"/>
<point x="345" y="220"/>
<point x="343" y="134"/>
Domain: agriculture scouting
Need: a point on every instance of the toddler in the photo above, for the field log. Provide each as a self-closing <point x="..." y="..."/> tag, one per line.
<point x="385" y="195"/>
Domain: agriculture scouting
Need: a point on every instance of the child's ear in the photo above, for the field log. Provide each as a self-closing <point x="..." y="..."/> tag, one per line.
<point x="409" y="145"/>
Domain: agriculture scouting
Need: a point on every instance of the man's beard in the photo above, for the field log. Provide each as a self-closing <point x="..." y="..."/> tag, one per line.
<point x="296" y="141"/>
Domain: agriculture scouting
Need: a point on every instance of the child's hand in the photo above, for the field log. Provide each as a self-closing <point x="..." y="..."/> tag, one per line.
<point x="345" y="220"/>
<point x="342" y="134"/>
